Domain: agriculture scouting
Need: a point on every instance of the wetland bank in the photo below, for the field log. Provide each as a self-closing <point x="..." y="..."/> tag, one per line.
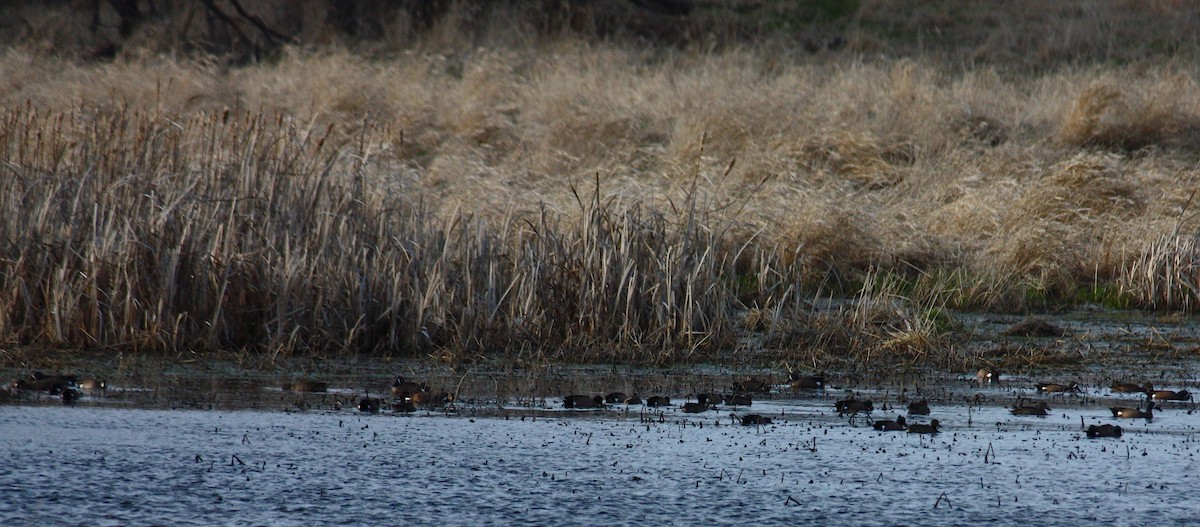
<point x="517" y="202"/>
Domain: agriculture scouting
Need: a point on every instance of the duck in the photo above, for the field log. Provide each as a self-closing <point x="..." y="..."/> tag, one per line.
<point x="694" y="408"/>
<point x="710" y="399"/>
<point x="431" y="398"/>
<point x="70" y="394"/>
<point x="1039" y="409"/>
<point x="931" y="428"/>
<point x="369" y="405"/>
<point x="1170" y="395"/>
<point x="93" y="384"/>
<point x="403" y="388"/>
<point x="1135" y="413"/>
<point x="919" y="408"/>
<point x="583" y="401"/>
<point x="752" y="386"/>
<point x="615" y="398"/>
<point x="1105" y="430"/>
<point x="307" y="386"/>
<point x="633" y="399"/>
<point x="806" y="382"/>
<point x="51" y="384"/>
<point x="752" y="419"/>
<point x="739" y="399"/>
<point x="656" y="401"/>
<point x="888" y="425"/>
<point x="1128" y="387"/>
<point x="1050" y="387"/>
<point x="986" y="375"/>
<point x="853" y="406"/>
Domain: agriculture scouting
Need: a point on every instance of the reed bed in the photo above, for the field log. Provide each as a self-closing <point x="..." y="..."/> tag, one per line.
<point x="237" y="230"/>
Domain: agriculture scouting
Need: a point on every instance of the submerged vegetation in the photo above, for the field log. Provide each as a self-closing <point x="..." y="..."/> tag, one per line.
<point x="585" y="195"/>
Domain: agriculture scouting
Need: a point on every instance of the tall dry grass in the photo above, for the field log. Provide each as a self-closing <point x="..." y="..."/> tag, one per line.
<point x="579" y="198"/>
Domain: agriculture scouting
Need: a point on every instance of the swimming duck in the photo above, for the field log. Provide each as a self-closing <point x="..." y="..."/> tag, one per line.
<point x="1127" y="387"/>
<point x="656" y="401"/>
<point x="1169" y="395"/>
<point x="694" y="408"/>
<point x="752" y="386"/>
<point x="615" y="398"/>
<point x="307" y="386"/>
<point x="806" y="382"/>
<point x="403" y="388"/>
<point x="369" y="405"/>
<point x="752" y="419"/>
<point x="1023" y="407"/>
<point x="1050" y="387"/>
<point x="919" y="408"/>
<point x="433" y="398"/>
<point x="1103" y="431"/>
<point x="898" y="424"/>
<point x="739" y="399"/>
<point x="931" y="428"/>
<point x="583" y="401"/>
<point x="986" y="375"/>
<point x="1135" y="413"/>
<point x="853" y="406"/>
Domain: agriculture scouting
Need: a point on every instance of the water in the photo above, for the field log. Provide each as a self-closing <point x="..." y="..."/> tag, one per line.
<point x="99" y="465"/>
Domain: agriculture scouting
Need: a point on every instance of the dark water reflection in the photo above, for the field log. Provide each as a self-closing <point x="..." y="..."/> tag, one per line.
<point x="111" y="466"/>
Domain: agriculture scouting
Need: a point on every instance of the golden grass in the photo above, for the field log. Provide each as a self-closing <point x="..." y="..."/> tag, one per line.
<point x="591" y="198"/>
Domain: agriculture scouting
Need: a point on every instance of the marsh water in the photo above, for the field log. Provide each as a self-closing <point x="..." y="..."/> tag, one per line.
<point x="104" y="461"/>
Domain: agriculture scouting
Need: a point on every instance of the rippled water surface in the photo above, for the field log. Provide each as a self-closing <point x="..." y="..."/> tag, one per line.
<point x="95" y="465"/>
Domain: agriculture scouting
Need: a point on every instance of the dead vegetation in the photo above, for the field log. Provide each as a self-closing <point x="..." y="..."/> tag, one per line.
<point x="459" y="195"/>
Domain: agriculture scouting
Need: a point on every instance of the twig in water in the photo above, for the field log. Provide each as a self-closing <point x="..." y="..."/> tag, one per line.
<point x="939" y="500"/>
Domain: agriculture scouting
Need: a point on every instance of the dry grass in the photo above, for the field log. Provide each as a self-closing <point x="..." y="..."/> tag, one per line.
<point x="588" y="199"/>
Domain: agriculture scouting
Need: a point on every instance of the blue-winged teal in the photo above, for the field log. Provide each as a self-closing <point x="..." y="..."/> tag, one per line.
<point x="1135" y="413"/>
<point x="1169" y="395"/>
<point x="1127" y="387"/>
<point x="615" y="398"/>
<point x="51" y="384"/>
<point x="431" y="398"/>
<point x="583" y="401"/>
<point x="369" y="405"/>
<point x="657" y="401"/>
<point x="931" y="428"/>
<point x="307" y="386"/>
<point x="1024" y="407"/>
<point x="1103" y="431"/>
<point x="898" y="424"/>
<point x="1052" y="387"/>
<point x="93" y="384"/>
<point x="403" y="388"/>
<point x="853" y="406"/>
<point x="70" y="394"/>
<point x="739" y="399"/>
<point x="752" y="419"/>
<point x="752" y="386"/>
<point x="919" y="408"/>
<point x="986" y="375"/>
<point x="806" y="382"/>
<point x="694" y="408"/>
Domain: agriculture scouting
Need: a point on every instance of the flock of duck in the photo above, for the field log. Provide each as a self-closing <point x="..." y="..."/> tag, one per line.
<point x="68" y="387"/>
<point x="408" y="396"/>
